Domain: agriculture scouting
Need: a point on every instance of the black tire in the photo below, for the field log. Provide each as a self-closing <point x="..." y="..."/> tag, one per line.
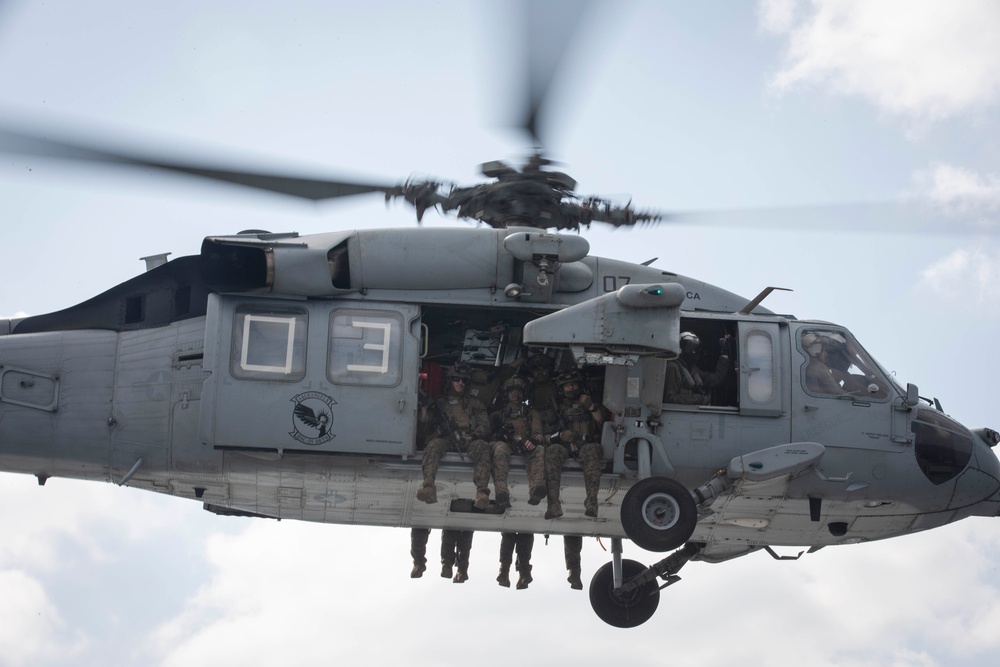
<point x="659" y="514"/>
<point x="623" y="610"/>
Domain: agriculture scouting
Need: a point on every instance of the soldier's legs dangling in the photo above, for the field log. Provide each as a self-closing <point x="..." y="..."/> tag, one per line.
<point x="590" y="458"/>
<point x="482" y="468"/>
<point x="555" y="457"/>
<point x="449" y="540"/>
<point x="507" y="542"/>
<point x="535" y="464"/>
<point x="463" y="548"/>
<point x="501" y="471"/>
<point x="524" y="542"/>
<point x="572" y="548"/>
<point x="418" y="551"/>
<point x="433" y="452"/>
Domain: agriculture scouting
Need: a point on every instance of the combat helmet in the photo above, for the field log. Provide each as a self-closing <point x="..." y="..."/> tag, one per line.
<point x="689" y="342"/>
<point x="539" y="360"/>
<point x="515" y="383"/>
<point x="570" y="376"/>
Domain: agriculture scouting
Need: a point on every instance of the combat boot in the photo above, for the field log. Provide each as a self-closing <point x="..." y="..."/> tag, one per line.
<point x="555" y="507"/>
<point x="461" y="576"/>
<point x="590" y="506"/>
<point x="428" y="492"/>
<point x="482" y="499"/>
<point x="503" y="499"/>
<point x="418" y="570"/>
<point x="574" y="579"/>
<point x="446" y="570"/>
<point x="525" y="577"/>
<point x="537" y="493"/>
<point x="504" y="577"/>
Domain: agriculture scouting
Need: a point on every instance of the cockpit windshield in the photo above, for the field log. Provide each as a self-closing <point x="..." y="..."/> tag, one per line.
<point x="838" y="366"/>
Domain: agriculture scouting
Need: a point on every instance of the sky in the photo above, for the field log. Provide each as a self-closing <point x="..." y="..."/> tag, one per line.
<point x="813" y="116"/>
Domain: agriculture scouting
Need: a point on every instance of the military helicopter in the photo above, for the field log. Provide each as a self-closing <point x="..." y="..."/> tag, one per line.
<point x="278" y="375"/>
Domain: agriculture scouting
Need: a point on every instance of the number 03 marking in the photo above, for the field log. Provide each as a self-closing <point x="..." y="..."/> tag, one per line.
<point x="386" y="328"/>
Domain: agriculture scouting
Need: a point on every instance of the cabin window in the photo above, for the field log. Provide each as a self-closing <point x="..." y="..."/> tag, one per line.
<point x="134" y="309"/>
<point x="760" y="361"/>
<point x="269" y="344"/>
<point x="705" y="372"/>
<point x="365" y="348"/>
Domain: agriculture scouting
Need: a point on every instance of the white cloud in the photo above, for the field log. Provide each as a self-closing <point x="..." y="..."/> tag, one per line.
<point x="776" y="16"/>
<point x="954" y="199"/>
<point x="963" y="200"/>
<point x="967" y="276"/>
<point x="29" y="622"/>
<point x="962" y="190"/>
<point x="919" y="59"/>
<point x="342" y="593"/>
<point x="84" y="513"/>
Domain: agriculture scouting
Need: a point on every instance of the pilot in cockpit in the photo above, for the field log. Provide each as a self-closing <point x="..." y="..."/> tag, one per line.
<point x="821" y="376"/>
<point x="838" y="367"/>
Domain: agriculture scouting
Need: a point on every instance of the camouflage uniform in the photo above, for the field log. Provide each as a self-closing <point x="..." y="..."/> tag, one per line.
<point x="578" y="438"/>
<point x="418" y="551"/>
<point x="514" y="426"/>
<point x="572" y="550"/>
<point x="456" y="545"/>
<point x="523" y="543"/>
<point x="543" y="395"/>
<point x="459" y="423"/>
<point x="542" y="390"/>
<point x="486" y="382"/>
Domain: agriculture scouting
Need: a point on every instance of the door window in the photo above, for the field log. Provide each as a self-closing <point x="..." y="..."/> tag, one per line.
<point x="365" y="348"/>
<point x="268" y="344"/>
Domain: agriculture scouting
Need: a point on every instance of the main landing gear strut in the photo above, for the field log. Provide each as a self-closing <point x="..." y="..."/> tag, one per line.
<point x="624" y="593"/>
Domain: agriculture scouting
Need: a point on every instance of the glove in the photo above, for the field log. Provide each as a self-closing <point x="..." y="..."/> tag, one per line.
<point x="587" y="402"/>
<point x="726" y="346"/>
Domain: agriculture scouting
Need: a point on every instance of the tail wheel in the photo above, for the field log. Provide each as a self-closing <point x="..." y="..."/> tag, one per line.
<point x="623" y="610"/>
<point x="659" y="514"/>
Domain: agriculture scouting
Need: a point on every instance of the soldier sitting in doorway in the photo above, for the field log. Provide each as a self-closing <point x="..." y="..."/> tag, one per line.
<point x="456" y="422"/>
<point x="513" y="425"/>
<point x="580" y="419"/>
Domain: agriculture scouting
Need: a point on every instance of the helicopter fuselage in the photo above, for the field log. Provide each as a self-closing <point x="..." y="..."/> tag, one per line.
<point x="281" y="376"/>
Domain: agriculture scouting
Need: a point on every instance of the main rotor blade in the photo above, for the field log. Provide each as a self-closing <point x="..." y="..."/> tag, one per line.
<point x="314" y="189"/>
<point x="550" y="28"/>
<point x="915" y="214"/>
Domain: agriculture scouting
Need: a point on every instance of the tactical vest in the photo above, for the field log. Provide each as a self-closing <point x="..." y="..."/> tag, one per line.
<point x="519" y="417"/>
<point x="459" y="414"/>
<point x="541" y="397"/>
<point x="577" y="418"/>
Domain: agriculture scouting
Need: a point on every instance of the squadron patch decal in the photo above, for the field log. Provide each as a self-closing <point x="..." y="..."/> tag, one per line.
<point x="312" y="418"/>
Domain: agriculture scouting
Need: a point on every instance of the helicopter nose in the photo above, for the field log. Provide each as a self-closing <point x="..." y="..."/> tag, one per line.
<point x="979" y="485"/>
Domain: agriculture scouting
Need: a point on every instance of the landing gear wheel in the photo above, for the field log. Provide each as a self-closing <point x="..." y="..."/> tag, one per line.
<point x="659" y="514"/>
<point x="623" y="610"/>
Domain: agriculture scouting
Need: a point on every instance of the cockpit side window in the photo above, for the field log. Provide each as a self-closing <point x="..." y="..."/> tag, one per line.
<point x="838" y="366"/>
<point x="943" y="446"/>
